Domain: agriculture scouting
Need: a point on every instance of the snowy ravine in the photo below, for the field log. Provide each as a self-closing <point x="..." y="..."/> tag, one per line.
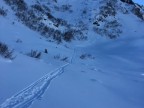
<point x="97" y="72"/>
<point x="26" y="97"/>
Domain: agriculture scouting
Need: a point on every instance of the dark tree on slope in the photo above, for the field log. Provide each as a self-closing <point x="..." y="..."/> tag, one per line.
<point x="35" y="54"/>
<point x="19" y="5"/>
<point x="128" y="1"/>
<point x="5" y="52"/>
<point x="68" y="35"/>
<point x="2" y="12"/>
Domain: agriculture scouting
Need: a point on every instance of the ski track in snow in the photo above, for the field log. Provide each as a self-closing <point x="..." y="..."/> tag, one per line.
<point x="35" y="91"/>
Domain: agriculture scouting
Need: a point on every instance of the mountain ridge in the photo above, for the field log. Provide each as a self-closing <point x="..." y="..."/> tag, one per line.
<point x="39" y="17"/>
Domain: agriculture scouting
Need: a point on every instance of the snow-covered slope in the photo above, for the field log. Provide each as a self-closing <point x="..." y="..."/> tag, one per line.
<point x="102" y="66"/>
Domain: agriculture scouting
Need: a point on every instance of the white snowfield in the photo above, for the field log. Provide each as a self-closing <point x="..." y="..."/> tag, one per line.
<point x="26" y="97"/>
<point x="96" y="73"/>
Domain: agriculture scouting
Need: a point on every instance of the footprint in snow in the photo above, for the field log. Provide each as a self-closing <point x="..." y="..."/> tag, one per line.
<point x="95" y="80"/>
<point x="83" y="71"/>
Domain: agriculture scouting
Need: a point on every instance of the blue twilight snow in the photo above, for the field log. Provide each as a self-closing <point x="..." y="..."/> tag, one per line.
<point x="102" y="73"/>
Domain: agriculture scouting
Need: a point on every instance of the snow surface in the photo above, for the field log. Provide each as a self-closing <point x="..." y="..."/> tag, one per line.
<point x="111" y="74"/>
